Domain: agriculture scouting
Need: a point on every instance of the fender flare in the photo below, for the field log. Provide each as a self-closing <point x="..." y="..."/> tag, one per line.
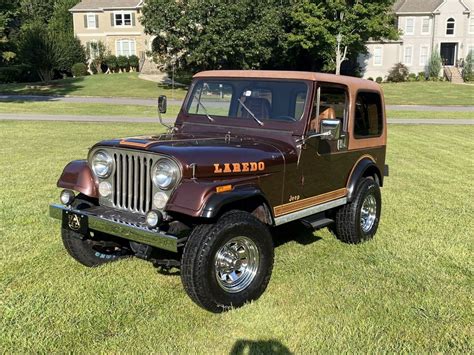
<point x="78" y="176"/>
<point x="365" y="167"/>
<point x="217" y="202"/>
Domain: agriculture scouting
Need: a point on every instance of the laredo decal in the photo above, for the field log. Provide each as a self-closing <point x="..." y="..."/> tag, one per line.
<point x="238" y="167"/>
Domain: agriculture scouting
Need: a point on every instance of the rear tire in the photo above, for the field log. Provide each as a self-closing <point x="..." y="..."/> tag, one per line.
<point x="358" y="221"/>
<point x="229" y="263"/>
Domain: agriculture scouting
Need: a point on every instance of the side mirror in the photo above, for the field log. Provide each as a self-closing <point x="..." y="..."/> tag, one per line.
<point x="162" y="104"/>
<point x="330" y="129"/>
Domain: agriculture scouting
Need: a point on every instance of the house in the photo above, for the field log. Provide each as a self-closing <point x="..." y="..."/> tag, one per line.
<point x="116" y="23"/>
<point x="425" y="25"/>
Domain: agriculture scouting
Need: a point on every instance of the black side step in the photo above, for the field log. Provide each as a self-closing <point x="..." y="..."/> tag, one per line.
<point x="317" y="221"/>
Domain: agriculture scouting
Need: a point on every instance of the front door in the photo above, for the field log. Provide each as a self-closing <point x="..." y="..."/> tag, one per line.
<point x="448" y="53"/>
<point x="322" y="162"/>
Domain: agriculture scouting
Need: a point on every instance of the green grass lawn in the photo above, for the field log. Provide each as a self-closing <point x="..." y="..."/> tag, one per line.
<point x="428" y="93"/>
<point x="61" y="108"/>
<point x="430" y="114"/>
<point x="64" y="108"/>
<point x="409" y="290"/>
<point x="129" y="85"/>
<point x="114" y="85"/>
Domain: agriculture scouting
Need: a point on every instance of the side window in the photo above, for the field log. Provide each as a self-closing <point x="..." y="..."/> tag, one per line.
<point x="215" y="98"/>
<point x="331" y="103"/>
<point x="368" y="115"/>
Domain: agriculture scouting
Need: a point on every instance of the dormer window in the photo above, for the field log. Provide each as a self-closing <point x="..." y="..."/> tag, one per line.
<point x="450" y="24"/>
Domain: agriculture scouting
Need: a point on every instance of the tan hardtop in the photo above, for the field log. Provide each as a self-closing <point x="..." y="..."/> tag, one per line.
<point x="352" y="82"/>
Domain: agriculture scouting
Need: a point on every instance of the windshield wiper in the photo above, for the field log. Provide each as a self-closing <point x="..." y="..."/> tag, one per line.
<point x="251" y="113"/>
<point x="204" y="108"/>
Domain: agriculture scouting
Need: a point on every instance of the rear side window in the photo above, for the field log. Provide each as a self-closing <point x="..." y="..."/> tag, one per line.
<point x="368" y="115"/>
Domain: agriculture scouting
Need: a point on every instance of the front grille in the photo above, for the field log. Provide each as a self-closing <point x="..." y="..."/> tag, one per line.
<point x="132" y="182"/>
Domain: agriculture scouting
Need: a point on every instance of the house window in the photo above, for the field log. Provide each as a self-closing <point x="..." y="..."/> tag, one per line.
<point x="408" y="55"/>
<point x="378" y="55"/>
<point x="368" y="120"/>
<point x="123" y="19"/>
<point x="91" y="21"/>
<point x="450" y="27"/>
<point x="410" y="26"/>
<point x="425" y="25"/>
<point x="125" y="47"/>
<point x="423" y="55"/>
<point x="471" y="25"/>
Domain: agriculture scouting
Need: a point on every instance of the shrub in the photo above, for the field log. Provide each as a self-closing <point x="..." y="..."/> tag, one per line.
<point x="370" y="78"/>
<point x="468" y="70"/>
<point x="134" y="62"/>
<point x="79" y="69"/>
<point x="122" y="62"/>
<point x="111" y="62"/>
<point x="434" y="65"/>
<point x="17" y="73"/>
<point x="412" y="77"/>
<point x="399" y="73"/>
<point x="421" y="76"/>
<point x="379" y="80"/>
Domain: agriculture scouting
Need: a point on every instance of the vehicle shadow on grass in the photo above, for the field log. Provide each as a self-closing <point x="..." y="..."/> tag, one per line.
<point x="294" y="231"/>
<point x="253" y="347"/>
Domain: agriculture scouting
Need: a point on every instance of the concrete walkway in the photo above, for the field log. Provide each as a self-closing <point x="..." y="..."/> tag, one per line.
<point x="152" y="102"/>
<point x="120" y="119"/>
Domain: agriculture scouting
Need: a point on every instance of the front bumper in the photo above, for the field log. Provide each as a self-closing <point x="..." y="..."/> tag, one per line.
<point x="101" y="221"/>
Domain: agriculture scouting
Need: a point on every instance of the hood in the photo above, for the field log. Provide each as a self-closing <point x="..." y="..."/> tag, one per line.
<point x="213" y="155"/>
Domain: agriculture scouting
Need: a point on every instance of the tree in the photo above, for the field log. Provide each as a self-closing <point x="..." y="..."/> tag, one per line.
<point x="40" y="50"/>
<point x="8" y="24"/>
<point x="217" y="34"/>
<point x="468" y="70"/>
<point x="330" y="30"/>
<point x="434" y="64"/>
<point x="36" y="11"/>
<point x="61" y="18"/>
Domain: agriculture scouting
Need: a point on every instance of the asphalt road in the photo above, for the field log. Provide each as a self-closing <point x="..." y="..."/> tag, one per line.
<point x="152" y="102"/>
<point x="120" y="119"/>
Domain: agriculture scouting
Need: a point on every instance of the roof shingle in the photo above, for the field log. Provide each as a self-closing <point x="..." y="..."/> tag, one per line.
<point x="105" y="4"/>
<point x="413" y="6"/>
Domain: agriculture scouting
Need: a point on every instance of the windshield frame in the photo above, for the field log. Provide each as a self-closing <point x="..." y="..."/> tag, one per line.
<point x="231" y="121"/>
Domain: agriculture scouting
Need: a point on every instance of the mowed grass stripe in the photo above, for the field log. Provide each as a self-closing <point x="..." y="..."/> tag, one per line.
<point x="409" y="290"/>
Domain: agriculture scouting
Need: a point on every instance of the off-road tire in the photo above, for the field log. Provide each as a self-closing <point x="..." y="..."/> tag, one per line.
<point x="85" y="250"/>
<point x="348" y="226"/>
<point x="198" y="270"/>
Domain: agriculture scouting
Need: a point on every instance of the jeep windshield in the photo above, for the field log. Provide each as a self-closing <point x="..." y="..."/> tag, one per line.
<point x="260" y="101"/>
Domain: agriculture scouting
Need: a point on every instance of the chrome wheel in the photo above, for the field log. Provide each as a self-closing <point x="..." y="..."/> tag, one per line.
<point x="368" y="213"/>
<point x="236" y="264"/>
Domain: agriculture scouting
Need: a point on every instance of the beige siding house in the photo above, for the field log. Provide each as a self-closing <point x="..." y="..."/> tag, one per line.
<point x="116" y="23"/>
<point x="425" y="25"/>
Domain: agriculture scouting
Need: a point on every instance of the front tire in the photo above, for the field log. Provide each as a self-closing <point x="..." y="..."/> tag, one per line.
<point x="358" y="221"/>
<point x="229" y="263"/>
<point x="91" y="253"/>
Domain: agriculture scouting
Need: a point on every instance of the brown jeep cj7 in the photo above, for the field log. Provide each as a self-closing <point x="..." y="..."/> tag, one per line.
<point x="249" y="151"/>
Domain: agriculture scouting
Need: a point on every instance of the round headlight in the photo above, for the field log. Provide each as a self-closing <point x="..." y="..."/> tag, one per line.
<point x="102" y="164"/>
<point x="165" y="174"/>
